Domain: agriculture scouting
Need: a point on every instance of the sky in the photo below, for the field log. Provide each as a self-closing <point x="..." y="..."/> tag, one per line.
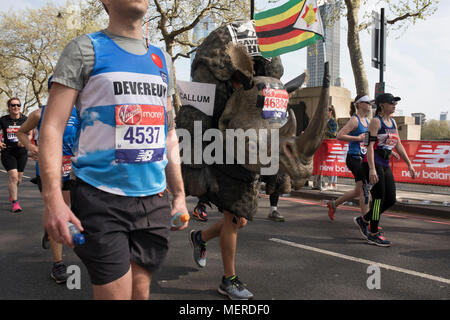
<point x="417" y="63"/>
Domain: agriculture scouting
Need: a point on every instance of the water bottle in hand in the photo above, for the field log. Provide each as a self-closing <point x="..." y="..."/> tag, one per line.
<point x="77" y="237"/>
<point x="179" y="219"/>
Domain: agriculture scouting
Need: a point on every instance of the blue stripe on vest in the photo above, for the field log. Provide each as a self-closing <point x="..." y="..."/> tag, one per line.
<point x="115" y="59"/>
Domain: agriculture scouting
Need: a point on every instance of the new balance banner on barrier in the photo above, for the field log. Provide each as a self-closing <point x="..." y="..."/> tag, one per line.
<point x="430" y="159"/>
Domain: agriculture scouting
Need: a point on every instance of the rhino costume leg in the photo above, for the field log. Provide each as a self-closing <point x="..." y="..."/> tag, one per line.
<point x="275" y="186"/>
<point x="238" y="190"/>
<point x="280" y="183"/>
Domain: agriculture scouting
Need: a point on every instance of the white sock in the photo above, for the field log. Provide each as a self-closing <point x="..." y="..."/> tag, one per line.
<point x="272" y="209"/>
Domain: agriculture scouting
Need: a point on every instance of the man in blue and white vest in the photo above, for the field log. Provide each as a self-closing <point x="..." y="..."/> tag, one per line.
<point x="125" y="155"/>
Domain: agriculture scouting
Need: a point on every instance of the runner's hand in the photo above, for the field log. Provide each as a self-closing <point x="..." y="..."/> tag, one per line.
<point x="395" y="155"/>
<point x="179" y="205"/>
<point x="2" y="145"/>
<point x="33" y="152"/>
<point x="373" y="176"/>
<point x="56" y="217"/>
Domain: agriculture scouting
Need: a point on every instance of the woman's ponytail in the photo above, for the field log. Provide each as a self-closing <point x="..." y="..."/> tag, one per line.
<point x="353" y="104"/>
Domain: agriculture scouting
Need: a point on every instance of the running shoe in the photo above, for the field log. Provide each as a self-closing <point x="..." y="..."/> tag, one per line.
<point x="59" y="272"/>
<point x="363" y="227"/>
<point x="45" y="241"/>
<point x="331" y="209"/>
<point x="15" y="207"/>
<point x="234" y="289"/>
<point x="275" y="216"/>
<point x="378" y="240"/>
<point x="200" y="212"/>
<point x="199" y="247"/>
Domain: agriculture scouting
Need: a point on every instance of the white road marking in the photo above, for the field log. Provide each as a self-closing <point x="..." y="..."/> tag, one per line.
<point x="343" y="256"/>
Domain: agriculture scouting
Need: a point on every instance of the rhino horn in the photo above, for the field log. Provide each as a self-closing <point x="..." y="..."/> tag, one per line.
<point x="290" y="127"/>
<point x="310" y="140"/>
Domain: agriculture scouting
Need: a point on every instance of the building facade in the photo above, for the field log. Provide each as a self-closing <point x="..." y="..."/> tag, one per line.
<point x="419" y="118"/>
<point x="201" y="31"/>
<point x="316" y="55"/>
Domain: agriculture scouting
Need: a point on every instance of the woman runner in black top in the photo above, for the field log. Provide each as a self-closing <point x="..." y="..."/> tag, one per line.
<point x="14" y="155"/>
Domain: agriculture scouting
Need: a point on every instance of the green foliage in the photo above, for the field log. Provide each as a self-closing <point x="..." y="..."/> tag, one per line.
<point x="436" y="130"/>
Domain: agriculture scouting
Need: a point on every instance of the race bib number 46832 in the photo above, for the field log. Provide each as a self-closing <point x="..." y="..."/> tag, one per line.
<point x="140" y="133"/>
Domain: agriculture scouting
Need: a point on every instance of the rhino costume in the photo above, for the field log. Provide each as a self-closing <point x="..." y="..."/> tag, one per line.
<point x="235" y="187"/>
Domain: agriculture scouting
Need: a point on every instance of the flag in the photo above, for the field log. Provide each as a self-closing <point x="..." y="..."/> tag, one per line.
<point x="289" y="27"/>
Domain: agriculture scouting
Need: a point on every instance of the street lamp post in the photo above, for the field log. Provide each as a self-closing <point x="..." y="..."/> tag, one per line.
<point x="379" y="48"/>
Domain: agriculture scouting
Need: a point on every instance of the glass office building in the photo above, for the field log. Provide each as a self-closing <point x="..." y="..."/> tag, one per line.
<point x="202" y="30"/>
<point x="315" y="53"/>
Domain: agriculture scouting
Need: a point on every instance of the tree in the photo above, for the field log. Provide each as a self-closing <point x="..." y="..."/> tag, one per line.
<point x="30" y="44"/>
<point x="174" y="19"/>
<point x="436" y="130"/>
<point x="399" y="15"/>
<point x="171" y="21"/>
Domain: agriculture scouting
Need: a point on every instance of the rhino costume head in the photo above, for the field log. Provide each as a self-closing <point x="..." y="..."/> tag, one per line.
<point x="246" y="88"/>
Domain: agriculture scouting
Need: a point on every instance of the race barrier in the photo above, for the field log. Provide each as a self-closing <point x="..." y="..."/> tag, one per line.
<point x="430" y="159"/>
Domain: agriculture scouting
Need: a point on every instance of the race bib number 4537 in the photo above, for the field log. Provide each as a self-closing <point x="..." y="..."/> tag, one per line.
<point x="140" y="133"/>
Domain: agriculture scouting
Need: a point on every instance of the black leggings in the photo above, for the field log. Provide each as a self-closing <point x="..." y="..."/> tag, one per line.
<point x="274" y="199"/>
<point x="383" y="195"/>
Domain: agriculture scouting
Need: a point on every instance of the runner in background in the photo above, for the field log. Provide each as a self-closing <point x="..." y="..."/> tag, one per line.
<point x="383" y="138"/>
<point x="331" y="133"/>
<point x="354" y="132"/>
<point x="14" y="155"/>
<point x="59" y="270"/>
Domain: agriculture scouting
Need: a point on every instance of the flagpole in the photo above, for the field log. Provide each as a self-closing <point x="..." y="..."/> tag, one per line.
<point x="252" y="9"/>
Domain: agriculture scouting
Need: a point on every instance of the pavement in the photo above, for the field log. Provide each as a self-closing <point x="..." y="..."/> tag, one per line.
<point x="426" y="200"/>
